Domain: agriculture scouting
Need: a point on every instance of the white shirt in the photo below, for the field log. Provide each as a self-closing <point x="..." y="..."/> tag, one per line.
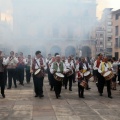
<point x="58" y="70"/>
<point x="105" y="69"/>
<point x="37" y="65"/>
<point x="69" y="65"/>
<point x="95" y="65"/>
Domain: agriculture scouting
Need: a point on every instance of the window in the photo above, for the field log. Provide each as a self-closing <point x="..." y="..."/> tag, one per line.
<point x="109" y="38"/>
<point x="101" y="50"/>
<point x="109" y="23"/>
<point x="116" y="55"/>
<point x="109" y="30"/>
<point x="101" y="43"/>
<point x="101" y="35"/>
<point x="116" y="42"/>
<point x="116" y="30"/>
<point x="117" y="16"/>
<point x="109" y="16"/>
<point x="109" y="49"/>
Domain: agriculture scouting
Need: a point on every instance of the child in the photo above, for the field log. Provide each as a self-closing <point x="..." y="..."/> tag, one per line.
<point x="80" y="79"/>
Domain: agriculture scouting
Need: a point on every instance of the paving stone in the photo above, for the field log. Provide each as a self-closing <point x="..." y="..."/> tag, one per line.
<point x="20" y="104"/>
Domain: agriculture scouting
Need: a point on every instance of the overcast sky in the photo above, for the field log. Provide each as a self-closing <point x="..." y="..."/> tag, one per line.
<point x="105" y="4"/>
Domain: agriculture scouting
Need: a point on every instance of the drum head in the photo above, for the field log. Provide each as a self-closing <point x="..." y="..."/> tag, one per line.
<point x="107" y="73"/>
<point x="37" y="71"/>
<point x="87" y="73"/>
<point x="60" y="75"/>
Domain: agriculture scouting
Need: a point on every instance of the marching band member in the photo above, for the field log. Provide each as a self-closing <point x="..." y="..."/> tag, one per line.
<point x="28" y="64"/>
<point x="69" y="67"/>
<point x="65" y="76"/>
<point x="58" y="67"/>
<point x="115" y="71"/>
<point x="74" y="73"/>
<point x="2" y="82"/>
<point x="104" y="67"/>
<point x="48" y="69"/>
<point x="80" y="77"/>
<point x="51" y="75"/>
<point x="20" y="67"/>
<point x="5" y="69"/>
<point x="39" y="65"/>
<point x="84" y="65"/>
<point x="119" y="71"/>
<point x="96" y="65"/>
<point x="16" y="71"/>
<point x="11" y="63"/>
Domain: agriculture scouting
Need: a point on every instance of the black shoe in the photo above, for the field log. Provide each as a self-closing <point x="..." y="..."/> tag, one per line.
<point x="22" y="84"/>
<point x="110" y="97"/>
<point x="51" y="89"/>
<point x="3" y="95"/>
<point x="8" y="88"/>
<point x="82" y="97"/>
<point x="70" y="89"/>
<point x="65" y="87"/>
<point x="41" y="96"/>
<point x="15" y="86"/>
<point x="36" y="96"/>
<point x="88" y="88"/>
<point x="101" y="94"/>
<point x="59" y="95"/>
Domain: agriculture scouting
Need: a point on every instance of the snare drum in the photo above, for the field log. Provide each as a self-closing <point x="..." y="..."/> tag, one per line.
<point x="108" y="75"/>
<point x="83" y="84"/>
<point x="69" y="73"/>
<point x="87" y="75"/>
<point x="58" y="76"/>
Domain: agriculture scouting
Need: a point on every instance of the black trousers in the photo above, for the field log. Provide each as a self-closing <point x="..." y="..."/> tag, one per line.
<point x="48" y="71"/>
<point x="11" y="75"/>
<point x="2" y="82"/>
<point x="74" y="75"/>
<point x="57" y="87"/>
<point x="5" y="76"/>
<point x="16" y="74"/>
<point x="20" y="75"/>
<point x="80" y="90"/>
<point x="51" y="80"/>
<point x="101" y="84"/>
<point x="28" y="75"/>
<point x="70" y="78"/>
<point x="38" y="85"/>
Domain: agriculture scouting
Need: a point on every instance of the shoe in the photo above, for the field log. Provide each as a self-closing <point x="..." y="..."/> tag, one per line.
<point x="36" y="96"/>
<point x="101" y="94"/>
<point x="8" y="88"/>
<point x="65" y="87"/>
<point x="59" y="95"/>
<point x="70" y="89"/>
<point x="16" y="86"/>
<point x="110" y="97"/>
<point x="3" y="95"/>
<point x="22" y="84"/>
<point x="82" y="97"/>
<point x="50" y="89"/>
<point x="88" y="88"/>
<point x="41" y="96"/>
